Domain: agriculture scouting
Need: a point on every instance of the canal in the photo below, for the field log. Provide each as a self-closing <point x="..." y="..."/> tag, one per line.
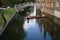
<point x="21" y="28"/>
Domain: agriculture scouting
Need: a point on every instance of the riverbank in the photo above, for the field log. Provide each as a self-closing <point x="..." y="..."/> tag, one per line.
<point x="8" y="14"/>
<point x="4" y="27"/>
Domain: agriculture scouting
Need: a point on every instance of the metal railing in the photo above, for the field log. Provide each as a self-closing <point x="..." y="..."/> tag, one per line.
<point x="2" y="15"/>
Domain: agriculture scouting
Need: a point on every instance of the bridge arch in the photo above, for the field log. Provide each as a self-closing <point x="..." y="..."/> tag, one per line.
<point x="23" y="5"/>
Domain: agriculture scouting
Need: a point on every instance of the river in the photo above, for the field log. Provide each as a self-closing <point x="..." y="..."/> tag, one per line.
<point x="21" y="28"/>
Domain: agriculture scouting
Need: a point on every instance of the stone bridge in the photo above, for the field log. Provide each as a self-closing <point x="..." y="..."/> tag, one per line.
<point x="23" y="5"/>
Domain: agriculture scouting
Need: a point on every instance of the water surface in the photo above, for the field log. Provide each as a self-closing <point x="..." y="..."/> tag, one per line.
<point x="21" y="28"/>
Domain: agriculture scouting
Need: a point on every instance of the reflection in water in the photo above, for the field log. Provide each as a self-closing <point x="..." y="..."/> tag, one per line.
<point x="14" y="30"/>
<point x="28" y="20"/>
<point x="26" y="11"/>
<point x="32" y="29"/>
<point x="50" y="27"/>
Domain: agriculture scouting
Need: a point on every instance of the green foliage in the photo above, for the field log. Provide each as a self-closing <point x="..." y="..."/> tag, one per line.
<point x="24" y="13"/>
<point x="13" y="2"/>
<point x="9" y="2"/>
<point x="8" y="13"/>
<point x="1" y="21"/>
<point x="30" y="0"/>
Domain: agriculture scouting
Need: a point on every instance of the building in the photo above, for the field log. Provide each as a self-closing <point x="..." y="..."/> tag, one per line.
<point x="50" y="6"/>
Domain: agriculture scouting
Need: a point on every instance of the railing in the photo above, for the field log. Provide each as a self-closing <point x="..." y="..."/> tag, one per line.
<point x="3" y="18"/>
<point x="2" y="21"/>
<point x="2" y="15"/>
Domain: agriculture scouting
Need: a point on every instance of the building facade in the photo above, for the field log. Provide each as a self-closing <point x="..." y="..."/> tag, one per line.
<point x="50" y="6"/>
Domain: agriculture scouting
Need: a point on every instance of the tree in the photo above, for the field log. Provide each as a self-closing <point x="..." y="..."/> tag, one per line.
<point x="2" y="2"/>
<point x="13" y="2"/>
<point x="9" y="2"/>
<point x="30" y="0"/>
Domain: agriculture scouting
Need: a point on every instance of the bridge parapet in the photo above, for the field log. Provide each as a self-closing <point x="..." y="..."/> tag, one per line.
<point x="23" y="5"/>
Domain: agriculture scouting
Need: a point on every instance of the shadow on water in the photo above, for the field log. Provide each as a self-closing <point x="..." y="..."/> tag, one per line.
<point x="51" y="27"/>
<point x="26" y="11"/>
<point x="14" y="30"/>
